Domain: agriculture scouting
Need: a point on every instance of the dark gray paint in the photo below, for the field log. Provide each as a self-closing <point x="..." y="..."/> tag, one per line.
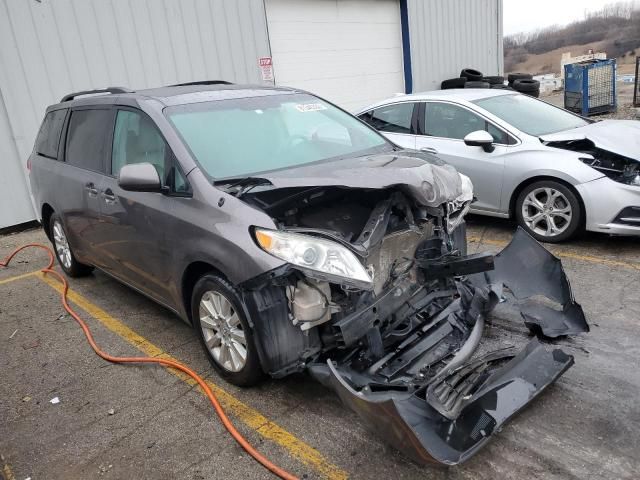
<point x="149" y="239"/>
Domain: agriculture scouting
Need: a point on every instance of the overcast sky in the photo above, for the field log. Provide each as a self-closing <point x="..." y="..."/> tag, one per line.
<point x="520" y="16"/>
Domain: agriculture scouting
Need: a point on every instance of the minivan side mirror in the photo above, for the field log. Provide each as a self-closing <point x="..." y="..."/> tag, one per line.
<point x="480" y="138"/>
<point x="139" y="177"/>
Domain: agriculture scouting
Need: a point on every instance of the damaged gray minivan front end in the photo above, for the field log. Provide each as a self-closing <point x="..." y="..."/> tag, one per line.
<point x="379" y="300"/>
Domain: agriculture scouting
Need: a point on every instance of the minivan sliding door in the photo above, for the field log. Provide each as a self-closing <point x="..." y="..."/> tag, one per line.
<point x="77" y="198"/>
<point x="134" y="223"/>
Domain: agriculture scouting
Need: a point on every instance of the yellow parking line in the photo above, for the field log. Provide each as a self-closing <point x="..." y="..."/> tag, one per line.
<point x="17" y="277"/>
<point x="561" y="254"/>
<point x="250" y="417"/>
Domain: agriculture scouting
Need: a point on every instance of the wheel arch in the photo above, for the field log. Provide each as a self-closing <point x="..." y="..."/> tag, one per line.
<point x="45" y="214"/>
<point x="190" y="276"/>
<point x="525" y="183"/>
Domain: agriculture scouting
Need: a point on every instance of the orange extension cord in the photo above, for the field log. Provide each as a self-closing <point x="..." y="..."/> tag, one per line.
<point x="167" y="363"/>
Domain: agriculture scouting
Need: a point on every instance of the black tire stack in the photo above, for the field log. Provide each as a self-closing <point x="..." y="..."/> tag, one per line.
<point x="453" y="83"/>
<point x="474" y="78"/>
<point x="471" y="78"/>
<point x="524" y="83"/>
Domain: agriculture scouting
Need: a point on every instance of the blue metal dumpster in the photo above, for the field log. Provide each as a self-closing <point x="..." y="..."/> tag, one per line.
<point x="590" y="87"/>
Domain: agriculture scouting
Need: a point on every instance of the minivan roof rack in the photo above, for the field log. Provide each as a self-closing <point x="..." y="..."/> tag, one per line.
<point x="71" y="96"/>
<point x="203" y="82"/>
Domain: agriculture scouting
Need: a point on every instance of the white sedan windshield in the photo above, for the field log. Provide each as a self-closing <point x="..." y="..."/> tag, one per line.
<point x="530" y="115"/>
<point x="244" y="136"/>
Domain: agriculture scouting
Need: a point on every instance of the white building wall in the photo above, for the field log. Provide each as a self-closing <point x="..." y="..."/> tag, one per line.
<point x="49" y="48"/>
<point x="449" y="35"/>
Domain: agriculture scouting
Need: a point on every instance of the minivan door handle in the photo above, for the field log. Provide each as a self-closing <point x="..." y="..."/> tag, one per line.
<point x="429" y="150"/>
<point x="108" y="196"/>
<point x="91" y="189"/>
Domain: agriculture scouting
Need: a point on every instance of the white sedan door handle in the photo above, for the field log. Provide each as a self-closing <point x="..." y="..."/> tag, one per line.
<point x="429" y="150"/>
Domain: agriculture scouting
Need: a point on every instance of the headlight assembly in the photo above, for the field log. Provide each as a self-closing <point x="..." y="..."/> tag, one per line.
<point x="329" y="259"/>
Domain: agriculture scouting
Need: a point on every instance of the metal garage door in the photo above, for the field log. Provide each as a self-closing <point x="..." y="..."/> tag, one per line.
<point x="348" y="51"/>
<point x="51" y="48"/>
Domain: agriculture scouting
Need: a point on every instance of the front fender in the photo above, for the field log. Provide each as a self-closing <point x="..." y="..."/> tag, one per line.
<point x="550" y="162"/>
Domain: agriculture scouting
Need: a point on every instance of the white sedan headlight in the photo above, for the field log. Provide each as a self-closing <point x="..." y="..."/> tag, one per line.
<point x="460" y="206"/>
<point x="316" y="254"/>
<point x="467" y="188"/>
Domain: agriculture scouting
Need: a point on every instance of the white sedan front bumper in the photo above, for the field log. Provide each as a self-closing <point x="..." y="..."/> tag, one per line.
<point x="611" y="207"/>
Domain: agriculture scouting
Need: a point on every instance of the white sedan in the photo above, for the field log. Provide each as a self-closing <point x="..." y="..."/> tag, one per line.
<point x="554" y="172"/>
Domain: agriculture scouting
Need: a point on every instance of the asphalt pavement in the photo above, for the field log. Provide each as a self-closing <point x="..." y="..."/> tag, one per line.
<point x="145" y="422"/>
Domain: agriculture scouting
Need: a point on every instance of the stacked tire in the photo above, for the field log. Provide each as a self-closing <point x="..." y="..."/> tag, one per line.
<point x="524" y="83"/>
<point x="471" y="78"/>
<point x="474" y="78"/>
<point x="471" y="75"/>
<point x="495" y="81"/>
<point x="453" y="83"/>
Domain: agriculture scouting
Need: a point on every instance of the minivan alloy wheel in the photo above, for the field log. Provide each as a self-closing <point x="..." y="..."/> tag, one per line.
<point x="546" y="211"/>
<point x="61" y="244"/>
<point x="223" y="333"/>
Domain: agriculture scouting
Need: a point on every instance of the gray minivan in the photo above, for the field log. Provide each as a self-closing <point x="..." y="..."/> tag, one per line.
<point x="294" y="237"/>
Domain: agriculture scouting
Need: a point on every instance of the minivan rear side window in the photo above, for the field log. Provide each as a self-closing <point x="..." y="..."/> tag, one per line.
<point x="86" y="138"/>
<point x="48" y="138"/>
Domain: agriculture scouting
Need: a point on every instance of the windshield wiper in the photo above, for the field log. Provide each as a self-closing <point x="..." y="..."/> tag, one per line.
<point x="239" y="186"/>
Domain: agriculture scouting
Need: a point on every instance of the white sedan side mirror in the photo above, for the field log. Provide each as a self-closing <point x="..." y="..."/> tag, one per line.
<point x="480" y="138"/>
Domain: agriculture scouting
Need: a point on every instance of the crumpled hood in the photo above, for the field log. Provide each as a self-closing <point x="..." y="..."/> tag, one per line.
<point x="424" y="177"/>
<point x="616" y="136"/>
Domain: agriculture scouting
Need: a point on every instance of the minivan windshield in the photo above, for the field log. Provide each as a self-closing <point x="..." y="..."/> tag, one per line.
<point x="530" y="115"/>
<point x="245" y="136"/>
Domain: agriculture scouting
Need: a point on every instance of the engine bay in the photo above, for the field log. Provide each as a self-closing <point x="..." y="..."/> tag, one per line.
<point x="617" y="167"/>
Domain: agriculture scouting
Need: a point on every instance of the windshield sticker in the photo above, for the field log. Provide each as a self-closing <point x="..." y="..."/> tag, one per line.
<point x="310" y="107"/>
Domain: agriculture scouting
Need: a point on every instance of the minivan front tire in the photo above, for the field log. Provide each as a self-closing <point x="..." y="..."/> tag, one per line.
<point x="225" y="333"/>
<point x="62" y="248"/>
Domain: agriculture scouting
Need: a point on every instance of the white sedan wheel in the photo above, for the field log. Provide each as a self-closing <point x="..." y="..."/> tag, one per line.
<point x="547" y="212"/>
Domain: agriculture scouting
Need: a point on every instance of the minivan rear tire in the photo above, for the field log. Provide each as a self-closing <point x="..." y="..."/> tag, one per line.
<point x="219" y="335"/>
<point x="63" y="251"/>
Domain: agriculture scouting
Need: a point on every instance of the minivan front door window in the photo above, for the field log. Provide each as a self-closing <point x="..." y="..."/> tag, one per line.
<point x="137" y="140"/>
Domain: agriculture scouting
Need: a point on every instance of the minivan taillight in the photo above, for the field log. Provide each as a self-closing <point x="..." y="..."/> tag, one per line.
<point x="29" y="164"/>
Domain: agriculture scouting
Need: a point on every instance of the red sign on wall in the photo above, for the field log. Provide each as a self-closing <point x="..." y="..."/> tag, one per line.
<point x="266" y="68"/>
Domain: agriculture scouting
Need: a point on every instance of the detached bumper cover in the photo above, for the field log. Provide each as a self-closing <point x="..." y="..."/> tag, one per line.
<point x="432" y="396"/>
<point x="533" y="274"/>
<point x="412" y="426"/>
